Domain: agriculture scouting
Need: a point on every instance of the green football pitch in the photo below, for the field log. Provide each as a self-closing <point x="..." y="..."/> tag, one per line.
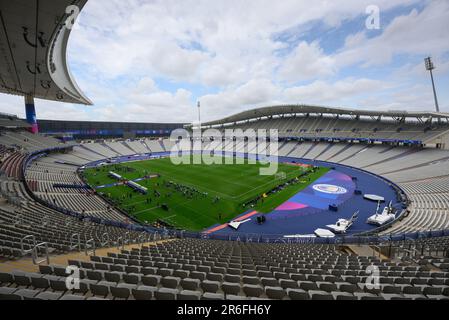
<point x="197" y="196"/>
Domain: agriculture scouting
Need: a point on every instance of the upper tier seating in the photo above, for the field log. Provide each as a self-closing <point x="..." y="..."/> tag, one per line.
<point x="28" y="141"/>
<point x="310" y="127"/>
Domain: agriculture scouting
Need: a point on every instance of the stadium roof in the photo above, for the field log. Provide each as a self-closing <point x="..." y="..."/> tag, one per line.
<point x="306" y="109"/>
<point x="33" y="49"/>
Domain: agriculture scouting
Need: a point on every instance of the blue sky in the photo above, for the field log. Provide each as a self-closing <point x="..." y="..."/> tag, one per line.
<point x="141" y="60"/>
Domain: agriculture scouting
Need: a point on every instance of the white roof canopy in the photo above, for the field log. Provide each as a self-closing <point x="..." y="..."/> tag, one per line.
<point x="33" y="50"/>
<point x="289" y="110"/>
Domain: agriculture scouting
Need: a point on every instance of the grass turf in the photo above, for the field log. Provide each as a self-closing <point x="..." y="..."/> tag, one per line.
<point x="233" y="184"/>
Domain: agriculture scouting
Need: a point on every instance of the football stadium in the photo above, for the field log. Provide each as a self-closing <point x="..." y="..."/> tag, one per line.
<point x="278" y="201"/>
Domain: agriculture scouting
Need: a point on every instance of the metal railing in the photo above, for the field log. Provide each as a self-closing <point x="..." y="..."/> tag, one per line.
<point x="403" y="252"/>
<point x="126" y="238"/>
<point x="411" y="253"/>
<point x="119" y="242"/>
<point x="105" y="242"/>
<point x="22" y="243"/>
<point x="35" y="254"/>
<point x="89" y="247"/>
<point x="436" y="251"/>
<point x="74" y="244"/>
<point x="141" y="239"/>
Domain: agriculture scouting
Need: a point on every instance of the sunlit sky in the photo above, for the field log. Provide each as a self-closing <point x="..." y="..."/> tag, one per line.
<point x="151" y="61"/>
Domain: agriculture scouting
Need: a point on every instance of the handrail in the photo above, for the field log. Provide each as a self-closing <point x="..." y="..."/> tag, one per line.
<point x="118" y="243"/>
<point x="24" y="252"/>
<point x="411" y="253"/>
<point x="126" y="238"/>
<point x="141" y="239"/>
<point x="90" y="242"/>
<point x="73" y="246"/>
<point x="415" y="254"/>
<point x="103" y="242"/>
<point x="36" y="253"/>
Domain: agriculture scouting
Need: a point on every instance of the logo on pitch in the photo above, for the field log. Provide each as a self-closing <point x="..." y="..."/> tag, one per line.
<point x="330" y="189"/>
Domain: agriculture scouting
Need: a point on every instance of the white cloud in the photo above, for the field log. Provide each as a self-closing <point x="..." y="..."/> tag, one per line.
<point x="306" y="61"/>
<point x="415" y="33"/>
<point x="347" y="92"/>
<point x="253" y="93"/>
<point x="415" y="98"/>
<point x="158" y="38"/>
<point x="145" y="102"/>
<point x="322" y="92"/>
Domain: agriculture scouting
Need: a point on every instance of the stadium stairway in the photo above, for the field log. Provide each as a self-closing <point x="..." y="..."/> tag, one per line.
<point x="366" y="251"/>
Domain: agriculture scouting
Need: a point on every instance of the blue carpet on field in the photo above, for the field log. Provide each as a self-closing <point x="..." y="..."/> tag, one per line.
<point x="309" y="209"/>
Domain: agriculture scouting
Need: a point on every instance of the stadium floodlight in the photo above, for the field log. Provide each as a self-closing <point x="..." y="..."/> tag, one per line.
<point x="199" y="114"/>
<point x="429" y="67"/>
<point x="429" y="63"/>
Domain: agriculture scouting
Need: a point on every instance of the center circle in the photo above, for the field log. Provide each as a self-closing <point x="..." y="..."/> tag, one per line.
<point x="329" y="188"/>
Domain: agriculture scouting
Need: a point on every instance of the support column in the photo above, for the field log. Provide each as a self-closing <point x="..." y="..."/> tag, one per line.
<point x="31" y="114"/>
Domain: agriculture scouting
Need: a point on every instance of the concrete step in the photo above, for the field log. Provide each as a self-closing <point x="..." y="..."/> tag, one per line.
<point x="366" y="251"/>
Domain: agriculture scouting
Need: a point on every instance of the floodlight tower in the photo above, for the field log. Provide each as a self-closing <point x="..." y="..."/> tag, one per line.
<point x="199" y="115"/>
<point x="429" y="67"/>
